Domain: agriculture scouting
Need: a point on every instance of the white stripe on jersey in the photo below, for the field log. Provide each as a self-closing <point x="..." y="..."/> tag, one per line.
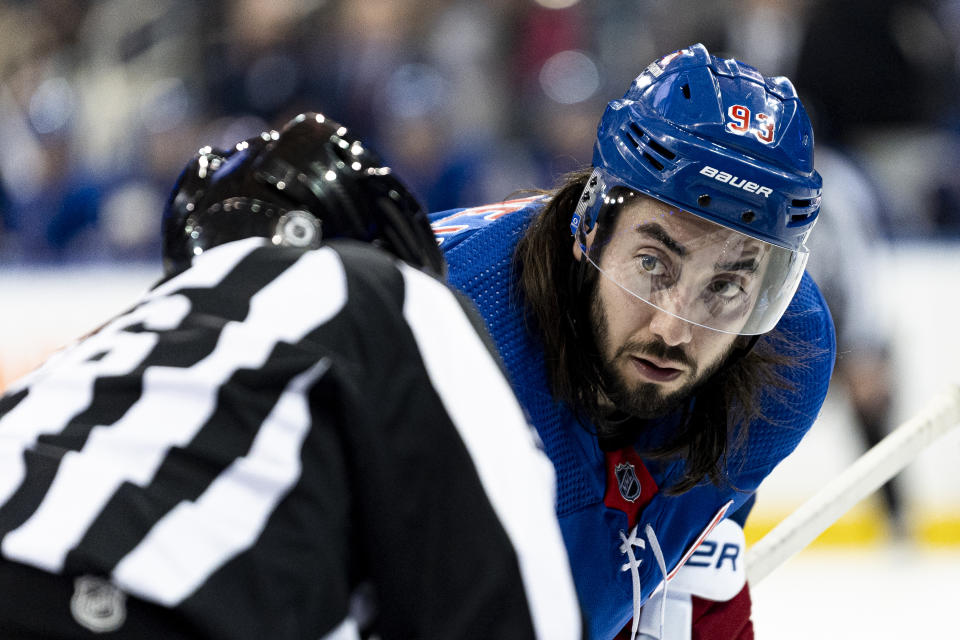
<point x="346" y="630"/>
<point x="212" y="267"/>
<point x="63" y="387"/>
<point x="195" y="538"/>
<point x="184" y="397"/>
<point x="517" y="477"/>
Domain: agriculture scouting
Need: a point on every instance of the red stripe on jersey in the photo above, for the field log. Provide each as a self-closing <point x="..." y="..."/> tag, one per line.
<point x="439" y="231"/>
<point x="716" y="520"/>
<point x="497" y="210"/>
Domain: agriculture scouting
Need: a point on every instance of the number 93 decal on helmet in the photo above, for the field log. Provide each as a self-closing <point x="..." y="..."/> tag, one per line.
<point x="728" y="155"/>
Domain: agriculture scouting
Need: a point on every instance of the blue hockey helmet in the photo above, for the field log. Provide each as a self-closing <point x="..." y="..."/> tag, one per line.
<point x="730" y="153"/>
<point x="309" y="182"/>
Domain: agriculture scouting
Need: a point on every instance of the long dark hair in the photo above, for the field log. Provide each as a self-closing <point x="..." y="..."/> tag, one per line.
<point x="556" y="290"/>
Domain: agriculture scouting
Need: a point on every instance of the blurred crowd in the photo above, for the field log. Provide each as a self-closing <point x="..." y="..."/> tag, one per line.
<point x="104" y="101"/>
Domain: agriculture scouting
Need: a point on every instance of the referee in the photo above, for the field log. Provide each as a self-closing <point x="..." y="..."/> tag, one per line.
<point x="283" y="438"/>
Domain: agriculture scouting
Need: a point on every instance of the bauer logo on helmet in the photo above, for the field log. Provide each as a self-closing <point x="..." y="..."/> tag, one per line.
<point x="735" y="181"/>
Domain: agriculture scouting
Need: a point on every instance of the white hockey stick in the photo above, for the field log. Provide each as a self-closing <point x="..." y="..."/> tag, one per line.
<point x="862" y="478"/>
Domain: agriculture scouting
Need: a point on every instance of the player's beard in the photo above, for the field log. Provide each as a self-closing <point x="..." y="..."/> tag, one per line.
<point x="644" y="399"/>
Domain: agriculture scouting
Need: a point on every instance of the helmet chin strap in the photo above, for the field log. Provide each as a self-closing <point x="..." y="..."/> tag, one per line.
<point x="576" y="276"/>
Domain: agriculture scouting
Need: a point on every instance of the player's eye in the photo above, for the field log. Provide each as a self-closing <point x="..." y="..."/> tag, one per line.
<point x="651" y="265"/>
<point x="724" y="289"/>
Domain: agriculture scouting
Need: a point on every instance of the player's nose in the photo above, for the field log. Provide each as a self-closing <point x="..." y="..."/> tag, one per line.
<point x="672" y="329"/>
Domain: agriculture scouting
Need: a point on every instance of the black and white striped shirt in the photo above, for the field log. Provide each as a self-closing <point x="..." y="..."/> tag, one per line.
<point x="272" y="428"/>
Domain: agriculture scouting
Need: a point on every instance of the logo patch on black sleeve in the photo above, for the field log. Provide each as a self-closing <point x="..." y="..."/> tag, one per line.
<point x="97" y="604"/>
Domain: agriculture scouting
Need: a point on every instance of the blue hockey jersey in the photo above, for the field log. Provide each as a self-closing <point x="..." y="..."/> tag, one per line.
<point x="605" y="500"/>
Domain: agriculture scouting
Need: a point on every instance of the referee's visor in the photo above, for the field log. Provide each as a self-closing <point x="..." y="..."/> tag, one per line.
<point x="687" y="266"/>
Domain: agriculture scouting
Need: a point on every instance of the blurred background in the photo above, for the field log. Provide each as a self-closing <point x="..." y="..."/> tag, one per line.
<point x="102" y="102"/>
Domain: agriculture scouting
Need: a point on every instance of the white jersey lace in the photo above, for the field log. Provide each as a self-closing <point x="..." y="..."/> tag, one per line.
<point x="658" y="598"/>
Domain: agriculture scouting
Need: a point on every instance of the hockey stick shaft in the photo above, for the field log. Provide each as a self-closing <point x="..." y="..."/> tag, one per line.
<point x="862" y="478"/>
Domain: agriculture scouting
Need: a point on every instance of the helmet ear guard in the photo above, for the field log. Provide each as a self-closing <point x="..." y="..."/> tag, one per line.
<point x="586" y="205"/>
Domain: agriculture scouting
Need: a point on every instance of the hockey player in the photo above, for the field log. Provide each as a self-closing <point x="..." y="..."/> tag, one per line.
<point x="657" y="325"/>
<point x="282" y="439"/>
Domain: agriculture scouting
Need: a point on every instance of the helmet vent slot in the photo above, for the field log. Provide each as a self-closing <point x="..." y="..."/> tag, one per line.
<point x="656" y="163"/>
<point x="798" y="218"/>
<point x="662" y="150"/>
<point x="801" y="203"/>
<point x="686" y="90"/>
<point x="639" y="135"/>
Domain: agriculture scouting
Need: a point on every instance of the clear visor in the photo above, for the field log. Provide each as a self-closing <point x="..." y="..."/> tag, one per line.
<point x="690" y="267"/>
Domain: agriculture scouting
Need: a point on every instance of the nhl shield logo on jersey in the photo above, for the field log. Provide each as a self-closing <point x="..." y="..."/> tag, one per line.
<point x="627" y="481"/>
<point x="97" y="604"/>
<point x="629" y="486"/>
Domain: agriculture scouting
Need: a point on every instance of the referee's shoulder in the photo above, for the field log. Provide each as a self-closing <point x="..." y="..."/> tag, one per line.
<point x="358" y="259"/>
<point x="373" y="272"/>
<point x="252" y="254"/>
<point x="363" y="258"/>
<point x="367" y="279"/>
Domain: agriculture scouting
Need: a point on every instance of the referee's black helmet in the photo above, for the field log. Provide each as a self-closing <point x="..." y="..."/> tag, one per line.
<point x="309" y="182"/>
